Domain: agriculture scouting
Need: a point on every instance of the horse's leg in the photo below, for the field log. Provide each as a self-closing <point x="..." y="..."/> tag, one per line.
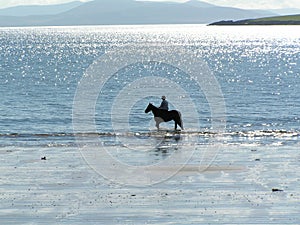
<point x="176" y="119"/>
<point x="158" y="121"/>
<point x="157" y="125"/>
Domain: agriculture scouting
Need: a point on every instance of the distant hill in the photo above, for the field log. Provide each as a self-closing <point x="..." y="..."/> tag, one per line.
<point x="276" y="20"/>
<point x="110" y="12"/>
<point x="39" y="9"/>
<point x="286" y="11"/>
<point x="199" y="4"/>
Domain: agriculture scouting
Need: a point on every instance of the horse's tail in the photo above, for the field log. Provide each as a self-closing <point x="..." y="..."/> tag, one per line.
<point x="180" y="120"/>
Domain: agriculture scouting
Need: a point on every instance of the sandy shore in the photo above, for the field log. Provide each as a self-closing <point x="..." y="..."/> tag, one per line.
<point x="244" y="185"/>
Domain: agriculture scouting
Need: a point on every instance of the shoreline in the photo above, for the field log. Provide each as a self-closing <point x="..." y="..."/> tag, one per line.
<point x="253" y="23"/>
<point x="277" y="20"/>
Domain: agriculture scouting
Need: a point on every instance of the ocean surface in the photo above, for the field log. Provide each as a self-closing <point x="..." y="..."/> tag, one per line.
<point x="245" y="174"/>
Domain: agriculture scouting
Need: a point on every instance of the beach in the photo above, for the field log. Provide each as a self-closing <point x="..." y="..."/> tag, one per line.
<point x="77" y="147"/>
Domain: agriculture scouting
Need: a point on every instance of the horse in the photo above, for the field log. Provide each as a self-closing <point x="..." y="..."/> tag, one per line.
<point x="162" y="115"/>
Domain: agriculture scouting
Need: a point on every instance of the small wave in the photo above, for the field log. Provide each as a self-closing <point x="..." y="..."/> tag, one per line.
<point x="250" y="134"/>
<point x="36" y="135"/>
<point x="24" y="135"/>
<point x="265" y="133"/>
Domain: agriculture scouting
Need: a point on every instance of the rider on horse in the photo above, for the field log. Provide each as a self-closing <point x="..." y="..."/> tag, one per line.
<point x="162" y="115"/>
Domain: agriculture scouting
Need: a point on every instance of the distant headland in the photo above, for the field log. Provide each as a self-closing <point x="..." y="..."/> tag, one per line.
<point x="277" y="20"/>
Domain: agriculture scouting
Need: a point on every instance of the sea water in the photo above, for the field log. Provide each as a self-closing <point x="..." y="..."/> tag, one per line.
<point x="257" y="70"/>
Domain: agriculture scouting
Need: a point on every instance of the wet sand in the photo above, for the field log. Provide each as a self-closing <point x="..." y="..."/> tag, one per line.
<point x="243" y="185"/>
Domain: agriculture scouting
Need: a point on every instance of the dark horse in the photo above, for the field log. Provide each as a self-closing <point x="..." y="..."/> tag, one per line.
<point x="162" y="115"/>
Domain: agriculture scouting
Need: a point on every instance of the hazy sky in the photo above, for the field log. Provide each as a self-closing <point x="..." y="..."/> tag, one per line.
<point x="257" y="4"/>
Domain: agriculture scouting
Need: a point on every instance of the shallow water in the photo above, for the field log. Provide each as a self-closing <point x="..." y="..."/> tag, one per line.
<point x="244" y="174"/>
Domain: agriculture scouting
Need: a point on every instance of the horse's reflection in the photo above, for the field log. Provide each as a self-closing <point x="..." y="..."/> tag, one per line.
<point x="166" y="144"/>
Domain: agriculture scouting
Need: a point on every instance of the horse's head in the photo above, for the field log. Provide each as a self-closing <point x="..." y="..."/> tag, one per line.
<point x="149" y="108"/>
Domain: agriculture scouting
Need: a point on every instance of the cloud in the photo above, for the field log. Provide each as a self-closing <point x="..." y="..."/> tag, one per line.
<point x="10" y="3"/>
<point x="258" y="4"/>
<point x="246" y="4"/>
